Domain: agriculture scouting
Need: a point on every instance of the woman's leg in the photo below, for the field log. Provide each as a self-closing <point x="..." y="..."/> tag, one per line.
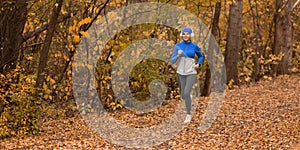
<point x="182" y="83"/>
<point x="189" y="82"/>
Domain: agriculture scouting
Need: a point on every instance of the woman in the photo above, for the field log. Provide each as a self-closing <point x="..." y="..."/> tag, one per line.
<point x="184" y="52"/>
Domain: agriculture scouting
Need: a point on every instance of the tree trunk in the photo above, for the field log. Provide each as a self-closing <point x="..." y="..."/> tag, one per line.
<point x="44" y="52"/>
<point x="12" y="21"/>
<point x="258" y="38"/>
<point x="215" y="27"/>
<point x="283" y="37"/>
<point x="233" y="43"/>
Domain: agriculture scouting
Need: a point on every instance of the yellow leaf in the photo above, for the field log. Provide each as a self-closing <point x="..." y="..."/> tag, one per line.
<point x="64" y="11"/>
<point x="45" y="87"/>
<point x="75" y="22"/>
<point x="76" y="38"/>
<point x="295" y="69"/>
<point x="111" y="42"/>
<point x="247" y="79"/>
<point x="85" y="21"/>
<point x="71" y="28"/>
<point x="52" y="81"/>
<point x="119" y="106"/>
<point x="107" y="77"/>
<point x="268" y="48"/>
<point x="29" y="58"/>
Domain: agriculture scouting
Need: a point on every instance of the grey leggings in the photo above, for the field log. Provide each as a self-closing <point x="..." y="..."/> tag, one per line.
<point x="186" y="83"/>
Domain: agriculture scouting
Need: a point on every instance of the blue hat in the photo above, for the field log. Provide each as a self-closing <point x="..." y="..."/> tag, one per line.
<point x="189" y="30"/>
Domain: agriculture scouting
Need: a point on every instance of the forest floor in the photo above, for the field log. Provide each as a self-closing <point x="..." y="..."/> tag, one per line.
<point x="262" y="115"/>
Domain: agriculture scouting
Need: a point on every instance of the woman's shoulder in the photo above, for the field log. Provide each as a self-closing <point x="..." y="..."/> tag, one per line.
<point x="179" y="44"/>
<point x="194" y="44"/>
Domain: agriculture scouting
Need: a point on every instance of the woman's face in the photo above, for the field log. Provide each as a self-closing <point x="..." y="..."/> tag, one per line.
<point x="186" y="36"/>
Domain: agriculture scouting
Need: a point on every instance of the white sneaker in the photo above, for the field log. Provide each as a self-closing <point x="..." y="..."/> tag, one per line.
<point x="187" y="119"/>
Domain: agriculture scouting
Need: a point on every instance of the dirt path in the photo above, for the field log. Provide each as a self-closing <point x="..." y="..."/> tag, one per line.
<point x="265" y="115"/>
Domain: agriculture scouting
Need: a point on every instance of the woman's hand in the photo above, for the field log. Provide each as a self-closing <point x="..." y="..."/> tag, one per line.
<point x="179" y="53"/>
<point x="196" y="66"/>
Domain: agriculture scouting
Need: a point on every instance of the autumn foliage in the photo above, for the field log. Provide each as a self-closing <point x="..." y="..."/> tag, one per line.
<point x="27" y="109"/>
<point x="23" y="114"/>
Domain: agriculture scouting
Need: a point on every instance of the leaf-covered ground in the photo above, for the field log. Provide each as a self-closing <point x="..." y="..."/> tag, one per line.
<point x="264" y="115"/>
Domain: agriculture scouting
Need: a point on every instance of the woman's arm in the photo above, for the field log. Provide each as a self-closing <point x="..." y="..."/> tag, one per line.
<point x="200" y="55"/>
<point x="175" y="54"/>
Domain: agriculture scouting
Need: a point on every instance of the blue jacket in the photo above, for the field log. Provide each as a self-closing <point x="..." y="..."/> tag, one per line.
<point x="186" y="60"/>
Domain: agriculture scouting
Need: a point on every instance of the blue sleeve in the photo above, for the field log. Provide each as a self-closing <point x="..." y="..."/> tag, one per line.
<point x="174" y="54"/>
<point x="200" y="55"/>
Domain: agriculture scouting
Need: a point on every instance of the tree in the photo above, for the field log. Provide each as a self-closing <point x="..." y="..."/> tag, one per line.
<point x="48" y="40"/>
<point x="233" y="43"/>
<point x="257" y="38"/>
<point x="12" y="17"/>
<point x="283" y="39"/>
<point x="215" y="26"/>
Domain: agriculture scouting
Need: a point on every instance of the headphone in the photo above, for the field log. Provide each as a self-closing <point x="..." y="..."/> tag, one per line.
<point x="191" y="34"/>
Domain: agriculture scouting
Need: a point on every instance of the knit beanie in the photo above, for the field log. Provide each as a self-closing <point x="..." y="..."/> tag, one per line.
<point x="189" y="30"/>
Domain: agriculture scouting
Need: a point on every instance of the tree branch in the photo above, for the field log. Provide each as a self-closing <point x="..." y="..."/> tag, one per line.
<point x="95" y="18"/>
<point x="43" y="28"/>
<point x="298" y="1"/>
